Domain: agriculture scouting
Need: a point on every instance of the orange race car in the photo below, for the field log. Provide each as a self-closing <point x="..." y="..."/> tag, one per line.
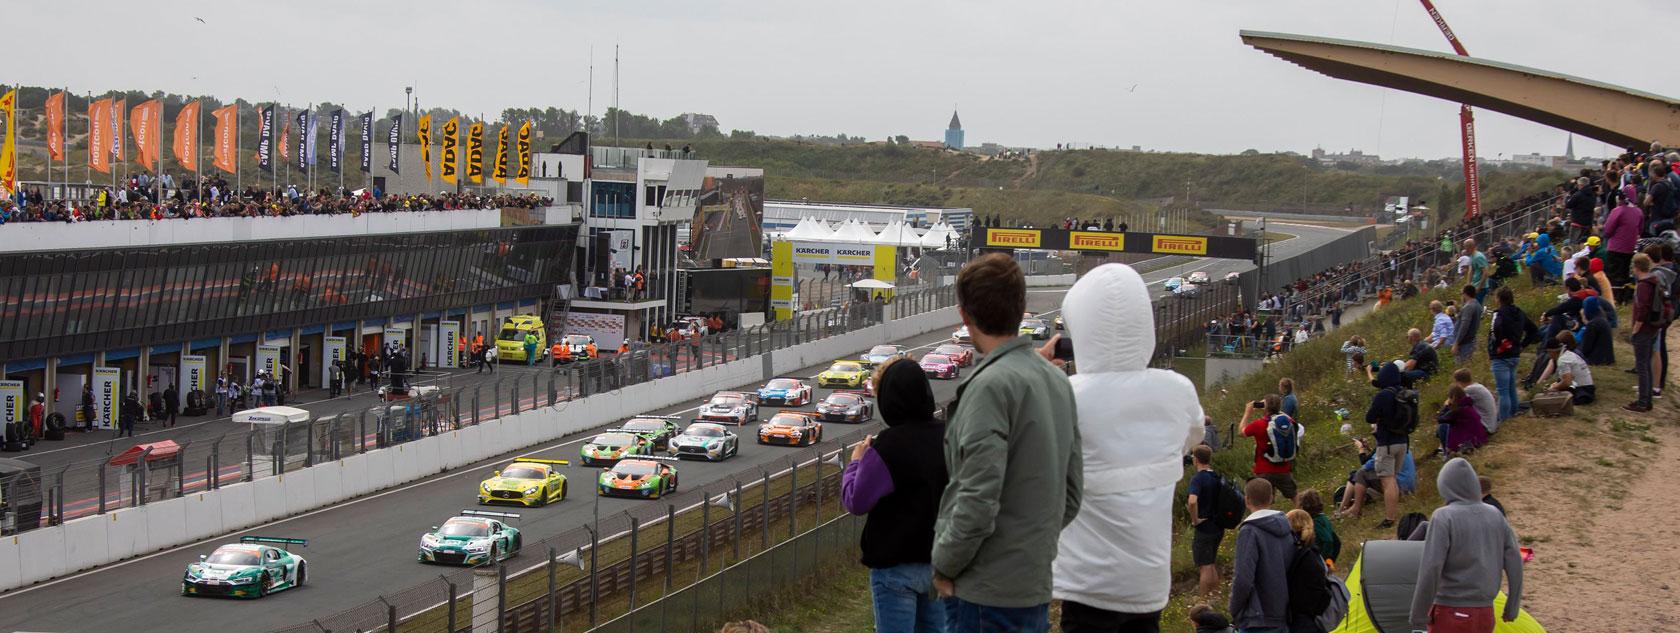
<point x="791" y="428"/>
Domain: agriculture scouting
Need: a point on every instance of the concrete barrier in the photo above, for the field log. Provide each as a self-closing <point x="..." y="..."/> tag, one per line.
<point x="126" y="533"/>
<point x="86" y="543"/>
<point x="239" y="506"/>
<point x="203" y="512"/>
<point x="41" y="552"/>
<point x="269" y="495"/>
<point x="329" y="483"/>
<point x="299" y="491"/>
<point x="166" y="525"/>
<point x="1044" y="281"/>
<point x="11" y="567"/>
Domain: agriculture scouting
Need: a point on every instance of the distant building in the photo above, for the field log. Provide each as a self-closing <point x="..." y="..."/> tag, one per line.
<point x="954" y="132"/>
<point x="1353" y="156"/>
<point x="697" y="122"/>
<point x="933" y="144"/>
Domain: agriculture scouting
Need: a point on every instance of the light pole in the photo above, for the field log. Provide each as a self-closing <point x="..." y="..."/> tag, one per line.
<point x="408" y="94"/>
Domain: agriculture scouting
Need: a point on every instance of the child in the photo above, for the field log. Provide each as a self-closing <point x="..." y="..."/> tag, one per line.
<point x="1458" y="424"/>
<point x="1354" y="346"/>
<point x="1206" y="620"/>
<point x="1487" y="493"/>
<point x="1324" y="535"/>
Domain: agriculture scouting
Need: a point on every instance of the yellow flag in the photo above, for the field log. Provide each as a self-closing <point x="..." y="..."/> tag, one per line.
<point x="451" y="134"/>
<point x="499" y="172"/>
<point x="475" y="152"/>
<point x="426" y="143"/>
<point x="8" y="149"/>
<point x="523" y="176"/>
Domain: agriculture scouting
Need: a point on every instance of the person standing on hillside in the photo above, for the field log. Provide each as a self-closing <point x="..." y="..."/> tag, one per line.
<point x="1479" y="278"/>
<point x="1647" y="323"/>
<point x="1510" y="332"/>
<point x="1201" y="504"/>
<point x="1281" y="472"/>
<point x="1113" y="568"/>
<point x="1621" y="236"/>
<point x="1260" y="582"/>
<point x="1012" y="451"/>
<point x="1466" y="550"/>
<point x="1388" y="419"/>
<point x="1464" y="331"/>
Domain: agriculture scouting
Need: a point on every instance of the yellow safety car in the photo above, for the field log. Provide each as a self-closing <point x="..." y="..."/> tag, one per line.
<point x="527" y="481"/>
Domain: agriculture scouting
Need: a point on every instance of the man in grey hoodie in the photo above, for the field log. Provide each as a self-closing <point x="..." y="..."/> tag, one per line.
<point x="1265" y="545"/>
<point x="1468" y="546"/>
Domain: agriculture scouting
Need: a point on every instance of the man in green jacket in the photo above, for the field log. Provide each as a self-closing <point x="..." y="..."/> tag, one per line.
<point x="1012" y="451"/>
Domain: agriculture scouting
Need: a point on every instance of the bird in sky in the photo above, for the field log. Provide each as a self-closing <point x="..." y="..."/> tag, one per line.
<point x="200" y="20"/>
<point x="1132" y="89"/>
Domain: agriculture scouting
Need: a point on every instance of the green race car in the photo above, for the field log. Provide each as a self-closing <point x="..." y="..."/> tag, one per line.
<point x="656" y="429"/>
<point x="642" y="478"/>
<point x="249" y="569"/>
<point x="471" y="538"/>
<point x="611" y="446"/>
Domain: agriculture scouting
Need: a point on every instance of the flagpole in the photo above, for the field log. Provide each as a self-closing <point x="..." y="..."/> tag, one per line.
<point x="198" y="155"/>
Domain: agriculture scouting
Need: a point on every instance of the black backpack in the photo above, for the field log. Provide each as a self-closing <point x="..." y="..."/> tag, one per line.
<point x="1228" y="505"/>
<point x="1403" y="418"/>
<point x="1504" y="267"/>
<point x="1309" y="590"/>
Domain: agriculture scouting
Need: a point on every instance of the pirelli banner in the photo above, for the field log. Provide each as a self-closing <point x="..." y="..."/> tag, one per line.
<point x="1109" y="241"/>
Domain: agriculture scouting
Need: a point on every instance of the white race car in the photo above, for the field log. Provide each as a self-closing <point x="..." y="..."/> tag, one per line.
<point x="706" y="440"/>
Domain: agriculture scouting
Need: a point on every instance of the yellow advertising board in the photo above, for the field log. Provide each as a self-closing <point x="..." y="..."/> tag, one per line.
<point x="1090" y="241"/>
<point x="1180" y="245"/>
<point x="1014" y="238"/>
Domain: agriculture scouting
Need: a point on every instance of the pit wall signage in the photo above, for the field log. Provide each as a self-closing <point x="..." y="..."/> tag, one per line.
<point x="1115" y="242"/>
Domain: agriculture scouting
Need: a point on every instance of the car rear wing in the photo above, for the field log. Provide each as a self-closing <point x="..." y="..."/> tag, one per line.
<point x="856" y="392"/>
<point x="487" y="513"/>
<point x="657" y="458"/>
<point x="538" y="460"/>
<point x="283" y="542"/>
<point x="655" y="417"/>
<point x="749" y="397"/>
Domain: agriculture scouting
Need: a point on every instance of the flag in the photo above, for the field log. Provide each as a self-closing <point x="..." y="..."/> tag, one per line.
<point x="499" y="172"/>
<point x="475" y="152"/>
<point x="335" y="141"/>
<point x="147" y="126"/>
<point x="186" y="136"/>
<point x="451" y="136"/>
<point x="523" y="176"/>
<point x="303" y="140"/>
<point x="55" y="126"/>
<point x="119" y="147"/>
<point x="425" y="132"/>
<point x="8" y="148"/>
<point x="393" y="142"/>
<point x="265" y="139"/>
<point x="286" y="141"/>
<point x="367" y="142"/>
<point x="99" y="135"/>
<point x="310" y="136"/>
<point x="226" y="157"/>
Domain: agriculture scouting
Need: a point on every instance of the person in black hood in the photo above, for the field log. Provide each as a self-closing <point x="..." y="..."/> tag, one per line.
<point x="895" y="479"/>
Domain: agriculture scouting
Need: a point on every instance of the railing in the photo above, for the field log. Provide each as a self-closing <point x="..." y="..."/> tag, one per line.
<point x="1181" y="321"/>
<point x="96" y="486"/>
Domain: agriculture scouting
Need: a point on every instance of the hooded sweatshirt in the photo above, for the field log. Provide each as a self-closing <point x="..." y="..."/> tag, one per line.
<point x="1260" y="584"/>
<point x="1544" y="256"/>
<point x="1136" y="424"/>
<point x="1384" y="404"/>
<point x="1595" y="344"/>
<point x="1468" y="546"/>
<point x="898" y="480"/>
<point x="1621" y="228"/>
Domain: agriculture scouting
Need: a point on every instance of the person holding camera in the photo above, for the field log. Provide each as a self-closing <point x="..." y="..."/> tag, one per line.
<point x="1275" y="441"/>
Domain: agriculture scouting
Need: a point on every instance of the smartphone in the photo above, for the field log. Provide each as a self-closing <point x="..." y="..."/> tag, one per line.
<point x="1064" y="349"/>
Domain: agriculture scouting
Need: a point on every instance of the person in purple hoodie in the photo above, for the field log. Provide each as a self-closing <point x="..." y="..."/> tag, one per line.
<point x="895" y="479"/>
<point x="1621" y="236"/>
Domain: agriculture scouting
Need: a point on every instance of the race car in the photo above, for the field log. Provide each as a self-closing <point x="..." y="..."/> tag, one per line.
<point x="964" y="355"/>
<point x="843" y="373"/>
<point x="846" y="406"/>
<point x="471" y="538"/>
<point x="880" y="354"/>
<point x="939" y="366"/>
<point x="791" y="428"/>
<point x="657" y="430"/>
<point x="733" y="407"/>
<point x="785" y="392"/>
<point x="1187" y="291"/>
<point x="250" y="569"/>
<point x="1173" y="284"/>
<point x="577" y="347"/>
<point x="1059" y="324"/>
<point x="1036" y="329"/>
<point x="1233" y="277"/>
<point x="1198" y="277"/>
<point x="960" y="336"/>
<point x="642" y="477"/>
<point x="612" y="446"/>
<point x="527" y="481"/>
<point x="708" y="441"/>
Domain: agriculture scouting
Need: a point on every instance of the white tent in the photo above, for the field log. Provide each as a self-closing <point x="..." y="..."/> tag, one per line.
<point x="853" y="232"/>
<point x="271" y="415"/>
<point x="809" y="230"/>
<point x="935" y="237"/>
<point x="898" y="234"/>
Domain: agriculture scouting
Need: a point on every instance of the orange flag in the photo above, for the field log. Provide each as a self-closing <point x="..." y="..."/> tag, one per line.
<point x="55" y="126"/>
<point x="99" y="135"/>
<point x="227" y="126"/>
<point x="286" y="140"/>
<point x="148" y="123"/>
<point x="186" y="136"/>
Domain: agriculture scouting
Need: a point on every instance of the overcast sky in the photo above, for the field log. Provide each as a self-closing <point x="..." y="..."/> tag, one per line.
<point x="1031" y="73"/>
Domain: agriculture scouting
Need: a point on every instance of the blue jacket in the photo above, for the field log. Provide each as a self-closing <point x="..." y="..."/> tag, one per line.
<point x="1545" y="256"/>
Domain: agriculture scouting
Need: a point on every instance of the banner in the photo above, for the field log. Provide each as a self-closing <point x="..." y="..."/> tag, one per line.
<point x="451" y="136"/>
<point x="186" y="136"/>
<point x="449" y="344"/>
<point x="1472" y="177"/>
<point x="367" y="142"/>
<point x="305" y="135"/>
<point x="781" y="280"/>
<point x="225" y="154"/>
<point x="310" y="136"/>
<point x="335" y="141"/>
<point x="333" y="353"/>
<point x="55" y="126"/>
<point x="393" y="142"/>
<point x="8" y="148"/>
<point x="425" y="135"/>
<point x="192" y="376"/>
<point x="398" y="336"/>
<point x="499" y="172"/>
<point x="475" y="153"/>
<point x="265" y="138"/>
<point x="523" y="176"/>
<point x="286" y="141"/>
<point x="12" y="402"/>
<point x="107" y="400"/>
<point x="99" y="135"/>
<point x="148" y="132"/>
<point x="268" y="360"/>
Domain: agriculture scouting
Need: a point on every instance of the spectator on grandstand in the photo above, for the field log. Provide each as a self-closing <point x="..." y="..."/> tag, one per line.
<point x="1005" y="506"/>
<point x="1466" y="550"/>
<point x="1132" y="462"/>
<point x="895" y="479"/>
<point x="1464" y="328"/>
<point x="1570" y="371"/>
<point x="1259" y="582"/>
<point x="1510" y="332"/>
<point x="1389" y="416"/>
<point x="1621" y="236"/>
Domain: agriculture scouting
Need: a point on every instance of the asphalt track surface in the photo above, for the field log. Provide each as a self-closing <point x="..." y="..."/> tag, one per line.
<point x="366" y="547"/>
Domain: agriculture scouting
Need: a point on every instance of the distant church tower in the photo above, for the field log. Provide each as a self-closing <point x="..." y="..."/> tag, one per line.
<point x="1569" y="151"/>
<point x="953" y="132"/>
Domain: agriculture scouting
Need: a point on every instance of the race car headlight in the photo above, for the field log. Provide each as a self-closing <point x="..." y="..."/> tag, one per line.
<point x="243" y="581"/>
<point x="714" y="443"/>
<point x="428" y="541"/>
<point x="485" y="486"/>
<point x="531" y="491"/>
<point x="478" y="546"/>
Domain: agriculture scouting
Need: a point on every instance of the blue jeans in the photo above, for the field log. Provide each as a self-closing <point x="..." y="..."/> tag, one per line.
<point x="1505" y="380"/>
<point x="904" y="599"/>
<point x="967" y="617"/>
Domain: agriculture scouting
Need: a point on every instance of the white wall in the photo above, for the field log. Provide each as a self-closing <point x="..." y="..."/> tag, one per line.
<point x="47" y="236"/>
<point x="88" y="542"/>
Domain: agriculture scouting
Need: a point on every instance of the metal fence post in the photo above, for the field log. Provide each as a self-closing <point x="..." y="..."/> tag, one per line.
<point x="309" y="443"/>
<point x="501" y="597"/>
<point x="452" y="596"/>
<point x="513" y="406"/>
<point x="635" y="529"/>
<point x="552" y="597"/>
<point x="671" y="538"/>
<point x="793" y="497"/>
<point x="764" y="514"/>
<point x="213" y="465"/>
<point x="58" y="496"/>
<point x="102" y="486"/>
<point x="594" y="579"/>
<point x="738" y="503"/>
<point x="280" y="449"/>
<point x="478" y="390"/>
<point x="181" y="470"/>
<point x="390" y="614"/>
<point x="705" y="539"/>
<point x="250" y="455"/>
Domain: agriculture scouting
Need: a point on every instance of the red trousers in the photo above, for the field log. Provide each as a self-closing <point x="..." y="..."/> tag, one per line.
<point x="1460" y="619"/>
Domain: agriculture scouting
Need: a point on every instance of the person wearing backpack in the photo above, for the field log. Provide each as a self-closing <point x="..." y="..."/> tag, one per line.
<point x="1214" y="505"/>
<point x="1275" y="443"/>
<point x="1663" y="266"/>
<point x="1309" y="589"/>
<point x="1393" y="415"/>
<point x="1651" y="313"/>
<point x="1511" y="331"/>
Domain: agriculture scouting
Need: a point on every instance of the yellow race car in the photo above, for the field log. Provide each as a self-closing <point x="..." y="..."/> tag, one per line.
<point x="845" y="373"/>
<point x="527" y="481"/>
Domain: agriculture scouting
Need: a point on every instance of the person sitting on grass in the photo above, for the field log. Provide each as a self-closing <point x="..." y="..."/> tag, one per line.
<point x="1324" y="534"/>
<point x="1207" y="620"/>
<point x="1422" y="362"/>
<point x="1569" y="369"/>
<point x="1594" y="334"/>
<point x="1354" y="346"/>
<point x="1486" y="406"/>
<point x="1458" y="425"/>
<point x="1364" y="485"/>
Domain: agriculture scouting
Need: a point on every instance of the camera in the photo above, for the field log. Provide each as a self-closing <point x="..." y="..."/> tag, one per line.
<point x="1064" y="349"/>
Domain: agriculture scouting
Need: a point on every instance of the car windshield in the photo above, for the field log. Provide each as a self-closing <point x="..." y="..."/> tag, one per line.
<point x="705" y="430"/>
<point x="726" y="401"/>
<point x="611" y="440"/>
<point x="519" y="471"/>
<point x="781" y="383"/>
<point x="635" y="468"/>
<point x="842" y="398"/>
<point x="788" y="420"/>
<point x="846" y="367"/>
<point x="936" y="359"/>
<point x="882" y="350"/>
<point x="949" y="350"/>
<point x="1032" y="324"/>
<point x="234" y="556"/>
<point x="577" y="339"/>
<point x="511" y="334"/>
<point x="465" y="527"/>
<point x="644" y="425"/>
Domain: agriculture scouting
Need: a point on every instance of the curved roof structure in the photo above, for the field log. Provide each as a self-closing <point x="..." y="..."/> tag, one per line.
<point x="1613" y="114"/>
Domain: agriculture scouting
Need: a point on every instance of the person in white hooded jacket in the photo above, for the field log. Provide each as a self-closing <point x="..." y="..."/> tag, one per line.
<point x="1113" y="565"/>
